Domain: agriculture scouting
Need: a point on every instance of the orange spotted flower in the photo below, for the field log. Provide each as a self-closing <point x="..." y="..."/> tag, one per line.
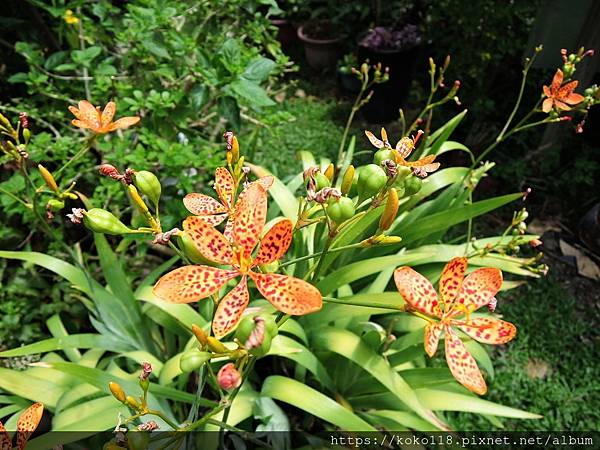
<point x="26" y="425"/>
<point x="214" y="212"/>
<point x="458" y="296"/>
<point x="404" y="148"/>
<point x="99" y="122"/>
<point x="192" y="283"/>
<point x="560" y="96"/>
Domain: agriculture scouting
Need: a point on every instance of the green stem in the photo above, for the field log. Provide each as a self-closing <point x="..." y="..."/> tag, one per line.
<point x="86" y="146"/>
<point x="367" y="304"/>
<point x="14" y="197"/>
<point x="321" y="258"/>
<point x="315" y="255"/>
<point x="160" y="414"/>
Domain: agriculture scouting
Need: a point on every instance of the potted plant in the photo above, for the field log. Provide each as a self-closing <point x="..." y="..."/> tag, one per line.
<point x="286" y="32"/>
<point x="396" y="48"/>
<point x="347" y="78"/>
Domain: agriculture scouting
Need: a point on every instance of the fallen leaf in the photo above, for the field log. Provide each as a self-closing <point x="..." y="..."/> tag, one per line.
<point x="585" y="266"/>
<point x="538" y="369"/>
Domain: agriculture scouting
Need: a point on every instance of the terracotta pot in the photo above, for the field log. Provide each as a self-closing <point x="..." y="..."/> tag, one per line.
<point x="320" y="53"/>
<point x="286" y="33"/>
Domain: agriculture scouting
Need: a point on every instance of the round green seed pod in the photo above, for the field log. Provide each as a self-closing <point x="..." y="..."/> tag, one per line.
<point x="321" y="181"/>
<point x="340" y="210"/>
<point x="193" y="359"/>
<point x="147" y="184"/>
<point x="382" y="155"/>
<point x="371" y="179"/>
<point x="412" y="185"/>
<point x="248" y="325"/>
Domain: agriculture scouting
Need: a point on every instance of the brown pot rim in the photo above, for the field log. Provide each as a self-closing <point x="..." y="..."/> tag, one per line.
<point x="303" y="37"/>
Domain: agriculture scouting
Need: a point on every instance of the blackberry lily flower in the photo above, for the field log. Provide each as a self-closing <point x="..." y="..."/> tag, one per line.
<point x="26" y="425"/>
<point x="560" y="96"/>
<point x="100" y="122"/>
<point x="192" y="283"/>
<point x="458" y="296"/>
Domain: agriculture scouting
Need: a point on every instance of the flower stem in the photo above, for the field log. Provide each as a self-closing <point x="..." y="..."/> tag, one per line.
<point x="86" y="146"/>
<point x="316" y="255"/>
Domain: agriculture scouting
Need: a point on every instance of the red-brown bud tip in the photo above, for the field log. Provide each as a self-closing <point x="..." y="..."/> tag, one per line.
<point x="228" y="377"/>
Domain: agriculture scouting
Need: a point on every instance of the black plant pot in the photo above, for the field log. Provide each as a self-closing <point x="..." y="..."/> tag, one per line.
<point x="390" y="96"/>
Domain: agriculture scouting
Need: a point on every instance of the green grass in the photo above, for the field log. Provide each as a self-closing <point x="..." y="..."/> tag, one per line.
<point x="552" y="366"/>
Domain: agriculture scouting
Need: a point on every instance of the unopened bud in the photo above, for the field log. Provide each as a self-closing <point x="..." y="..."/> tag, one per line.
<point x="24" y="120"/>
<point x="117" y="391"/>
<point x="26" y="135"/>
<point x="330" y="172"/>
<point x="148" y="184"/>
<point x="48" y="178"/>
<point x="200" y="335"/>
<point x="146" y="371"/>
<point x="390" y="211"/>
<point x="347" y="180"/>
<point x="132" y="402"/>
<point x="535" y="243"/>
<point x="215" y="345"/>
<point x="111" y="171"/>
<point x="137" y="200"/>
<point x="228" y="377"/>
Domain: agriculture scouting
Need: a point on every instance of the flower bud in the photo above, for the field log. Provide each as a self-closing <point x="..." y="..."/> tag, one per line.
<point x="330" y="172"/>
<point x="48" y="178"/>
<point x="137" y="200"/>
<point x="390" y="210"/>
<point x="102" y="221"/>
<point x="193" y="359"/>
<point x="117" y="391"/>
<point x="228" y="377"/>
<point x="200" y="334"/>
<point x="26" y="135"/>
<point x="215" y="345"/>
<point x="55" y="205"/>
<point x="132" y="402"/>
<point x="347" y="179"/>
<point x="148" y="184"/>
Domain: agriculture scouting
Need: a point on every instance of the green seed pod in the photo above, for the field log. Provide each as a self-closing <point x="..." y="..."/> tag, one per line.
<point x="102" y="221"/>
<point x="412" y="185"/>
<point x="402" y="173"/>
<point x="382" y="155"/>
<point x="137" y="440"/>
<point x="193" y="359"/>
<point x="148" y="184"/>
<point x="191" y="251"/>
<point x="55" y="205"/>
<point x="321" y="181"/>
<point x="371" y="179"/>
<point x="249" y="324"/>
<point x="340" y="210"/>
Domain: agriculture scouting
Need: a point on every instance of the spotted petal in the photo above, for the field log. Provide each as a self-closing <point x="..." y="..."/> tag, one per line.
<point x="266" y="181"/>
<point x="275" y="243"/>
<point x="80" y="124"/>
<point x="463" y="365"/>
<point x="489" y="330"/>
<point x="417" y="291"/>
<point x="27" y="423"/>
<point x="250" y="217"/>
<point x="547" y="105"/>
<point x="451" y="280"/>
<point x="288" y="294"/>
<point x="202" y="205"/>
<point x="108" y="113"/>
<point x="224" y="185"/>
<point x="574" y="98"/>
<point x="5" y="442"/>
<point x="123" y="122"/>
<point x="192" y="283"/>
<point x="230" y="309"/>
<point x="432" y="337"/>
<point x="376" y="142"/>
<point x="87" y="113"/>
<point x="210" y="242"/>
<point x="557" y="81"/>
<point x="426" y="161"/>
<point x="478" y="288"/>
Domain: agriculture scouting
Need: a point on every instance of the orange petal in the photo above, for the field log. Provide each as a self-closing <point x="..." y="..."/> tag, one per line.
<point x="275" y="243"/>
<point x="417" y="291"/>
<point x="108" y="113"/>
<point x="209" y="241"/>
<point x="376" y="142"/>
<point x="250" y="217"/>
<point x="565" y="90"/>
<point x="80" y="124"/>
<point x="75" y="111"/>
<point x="478" y="288"/>
<point x="557" y="80"/>
<point x="266" y="181"/>
<point x="288" y="294"/>
<point x="547" y="105"/>
<point x="574" y="98"/>
<point x="89" y="114"/>
<point x="5" y="441"/>
<point x="432" y="337"/>
<point x="561" y="105"/>
<point x="123" y="122"/>
<point x="404" y="147"/>
<point x="489" y="330"/>
<point x="202" y="205"/>
<point x="27" y="423"/>
<point x="224" y="185"/>
<point x="228" y="231"/>
<point x="451" y="280"/>
<point x="430" y="167"/>
<point x="547" y="91"/>
<point x="230" y="309"/>
<point x="463" y="365"/>
<point x="191" y="283"/>
<point x="422" y="162"/>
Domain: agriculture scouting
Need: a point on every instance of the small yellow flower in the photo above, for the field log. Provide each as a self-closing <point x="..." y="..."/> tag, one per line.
<point x="70" y="18"/>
